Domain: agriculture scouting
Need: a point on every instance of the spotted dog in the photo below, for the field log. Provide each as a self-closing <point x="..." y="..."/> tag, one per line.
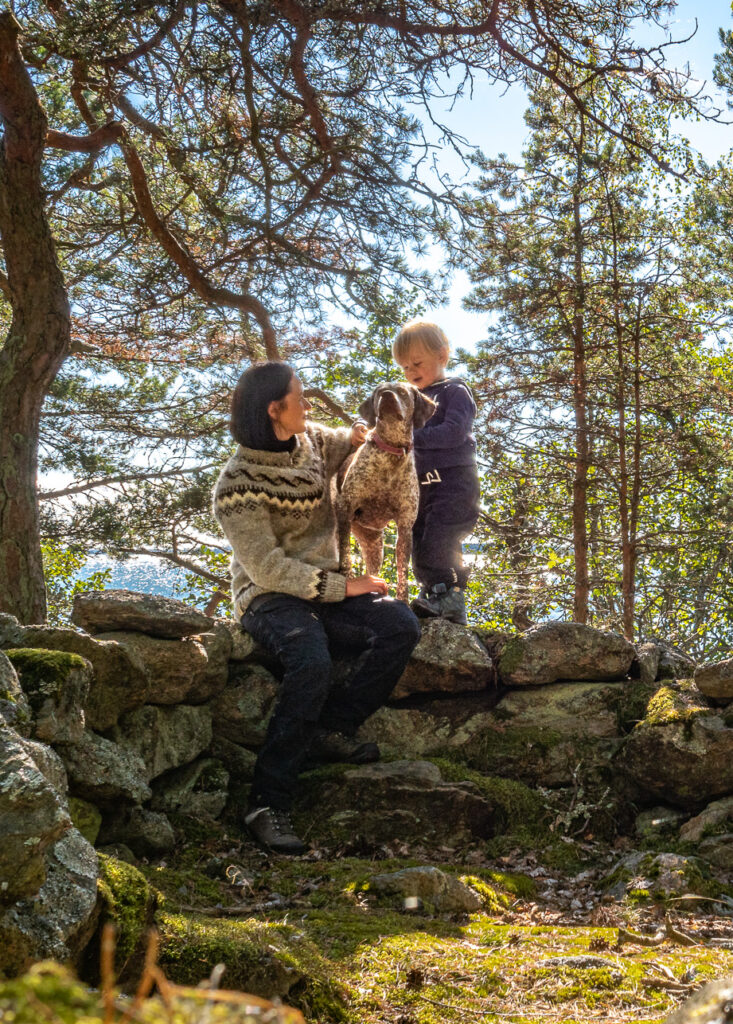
<point x="380" y="484"/>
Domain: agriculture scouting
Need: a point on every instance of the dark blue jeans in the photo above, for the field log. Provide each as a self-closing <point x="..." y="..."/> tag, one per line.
<point x="383" y="632"/>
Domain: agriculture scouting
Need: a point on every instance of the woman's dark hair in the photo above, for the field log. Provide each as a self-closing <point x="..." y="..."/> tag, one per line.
<point x="250" y="424"/>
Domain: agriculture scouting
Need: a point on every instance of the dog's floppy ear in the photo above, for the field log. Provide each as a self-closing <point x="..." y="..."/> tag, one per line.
<point x="424" y="409"/>
<point x="367" y="413"/>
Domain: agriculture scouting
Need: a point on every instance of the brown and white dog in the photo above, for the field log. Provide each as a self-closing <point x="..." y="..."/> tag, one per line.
<point x="380" y="484"/>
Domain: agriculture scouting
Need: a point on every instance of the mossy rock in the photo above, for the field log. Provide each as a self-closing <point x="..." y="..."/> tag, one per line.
<point x="46" y="669"/>
<point x="682" y="750"/>
<point x="86" y="817"/>
<point x="267" y="959"/>
<point x="50" y="992"/>
<point x="57" y="685"/>
<point x="129" y="902"/>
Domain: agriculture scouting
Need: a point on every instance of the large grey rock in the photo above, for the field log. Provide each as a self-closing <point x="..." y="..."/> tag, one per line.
<point x="674" y="663"/>
<point x="105" y="773"/>
<point x="238" y="761"/>
<point x="646" y="664"/>
<point x="447" y="658"/>
<point x="164" y="737"/>
<point x="147" y="833"/>
<point x="406" y="801"/>
<point x="537" y="736"/>
<point x="715" y="680"/>
<point x="665" y="875"/>
<point x="58" y="923"/>
<point x="56" y="684"/>
<point x="102" y="611"/>
<point x="243" y="646"/>
<point x="716" y="813"/>
<point x="199" y="790"/>
<point x="15" y="710"/>
<point x="681" y="752"/>
<point x="32" y="818"/>
<point x="11" y="631"/>
<point x="564" y="650"/>
<point x="434" y="889"/>
<point x="540" y="736"/>
<point x="49" y="765"/>
<point x="190" y="670"/>
<point x="436" y="727"/>
<point x="718" y="851"/>
<point x="709" y="1005"/>
<point x="120" y="679"/>
<point x="241" y="712"/>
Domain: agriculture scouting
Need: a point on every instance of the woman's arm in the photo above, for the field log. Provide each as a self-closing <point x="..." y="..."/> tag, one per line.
<point x="255" y="547"/>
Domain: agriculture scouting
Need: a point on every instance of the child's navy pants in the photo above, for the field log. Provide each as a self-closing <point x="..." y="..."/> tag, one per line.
<point x="447" y="513"/>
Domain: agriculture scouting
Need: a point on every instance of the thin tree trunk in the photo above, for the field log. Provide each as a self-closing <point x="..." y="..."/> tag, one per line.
<point x="39" y="336"/>
<point x="628" y="560"/>
<point x="580" y="398"/>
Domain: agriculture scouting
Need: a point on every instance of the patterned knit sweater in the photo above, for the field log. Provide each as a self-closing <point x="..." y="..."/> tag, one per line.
<point x="277" y="511"/>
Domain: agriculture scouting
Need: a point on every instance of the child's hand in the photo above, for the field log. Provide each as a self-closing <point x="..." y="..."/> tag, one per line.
<point x="358" y="434"/>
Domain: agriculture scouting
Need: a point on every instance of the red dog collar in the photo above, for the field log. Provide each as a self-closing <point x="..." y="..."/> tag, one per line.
<point x="392" y="449"/>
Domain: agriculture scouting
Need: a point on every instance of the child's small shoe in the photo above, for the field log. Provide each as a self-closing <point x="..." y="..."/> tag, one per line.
<point x="439" y="601"/>
<point x="453" y="606"/>
<point x="427" y="605"/>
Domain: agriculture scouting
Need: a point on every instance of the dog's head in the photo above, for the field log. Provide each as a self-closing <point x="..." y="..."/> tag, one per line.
<point x="395" y="402"/>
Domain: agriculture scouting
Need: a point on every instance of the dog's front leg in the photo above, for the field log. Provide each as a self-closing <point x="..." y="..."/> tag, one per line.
<point x="343" y="518"/>
<point x="403" y="552"/>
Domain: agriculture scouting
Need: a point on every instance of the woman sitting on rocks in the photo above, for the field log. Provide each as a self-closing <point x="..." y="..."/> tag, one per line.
<point x="274" y="502"/>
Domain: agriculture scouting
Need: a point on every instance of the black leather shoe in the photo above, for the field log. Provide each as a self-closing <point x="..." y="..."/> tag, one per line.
<point x="273" y="830"/>
<point x="337" y="747"/>
<point x="427" y="604"/>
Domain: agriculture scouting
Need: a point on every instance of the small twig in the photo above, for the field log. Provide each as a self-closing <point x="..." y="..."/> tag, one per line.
<point x="148" y="978"/>
<point x="680" y="937"/>
<point x="107" y="971"/>
<point x="624" y="935"/>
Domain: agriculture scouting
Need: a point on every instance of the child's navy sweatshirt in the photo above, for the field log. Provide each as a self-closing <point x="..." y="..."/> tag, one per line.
<point x="447" y="438"/>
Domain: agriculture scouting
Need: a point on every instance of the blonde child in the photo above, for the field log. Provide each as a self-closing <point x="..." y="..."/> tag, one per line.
<point x="445" y="457"/>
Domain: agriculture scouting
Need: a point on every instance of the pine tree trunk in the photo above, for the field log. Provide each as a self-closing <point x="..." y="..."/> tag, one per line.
<point x="580" y="399"/>
<point x="39" y="336"/>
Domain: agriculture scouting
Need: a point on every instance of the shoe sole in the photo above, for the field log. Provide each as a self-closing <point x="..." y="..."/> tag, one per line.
<point x="276" y="849"/>
<point x="424" y="611"/>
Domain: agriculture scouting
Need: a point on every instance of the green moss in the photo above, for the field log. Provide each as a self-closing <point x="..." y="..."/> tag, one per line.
<point x="516" y="804"/>
<point x="267" y="959"/>
<point x="48" y="668"/>
<point x="630" y="703"/>
<point x="511" y="655"/>
<point x="47" y="992"/>
<point x="128" y="901"/>
<point x="675" y="702"/>
<point x="86" y="817"/>
<point x="185" y="885"/>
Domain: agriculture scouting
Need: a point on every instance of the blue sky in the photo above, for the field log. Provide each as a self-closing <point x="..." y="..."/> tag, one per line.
<point x="494" y="120"/>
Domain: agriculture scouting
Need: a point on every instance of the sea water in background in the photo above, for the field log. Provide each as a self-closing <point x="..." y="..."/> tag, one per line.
<point x="139" y="572"/>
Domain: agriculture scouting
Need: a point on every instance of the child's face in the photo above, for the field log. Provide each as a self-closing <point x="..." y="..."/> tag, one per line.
<point x="422" y="367"/>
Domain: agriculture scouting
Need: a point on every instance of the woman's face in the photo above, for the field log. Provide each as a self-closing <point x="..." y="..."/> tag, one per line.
<point x="289" y="414"/>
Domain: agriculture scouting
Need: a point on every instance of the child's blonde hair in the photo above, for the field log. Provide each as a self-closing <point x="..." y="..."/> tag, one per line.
<point x="420" y="332"/>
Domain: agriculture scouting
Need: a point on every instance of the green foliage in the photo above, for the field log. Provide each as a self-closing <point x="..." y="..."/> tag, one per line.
<point x="61" y="567"/>
<point x="605" y="431"/>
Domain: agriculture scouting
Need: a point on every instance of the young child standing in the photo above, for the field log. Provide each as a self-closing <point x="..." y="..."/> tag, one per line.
<point x="445" y="457"/>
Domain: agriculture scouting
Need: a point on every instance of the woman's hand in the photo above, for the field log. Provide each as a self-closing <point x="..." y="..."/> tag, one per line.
<point x="358" y="434"/>
<point x="365" y="585"/>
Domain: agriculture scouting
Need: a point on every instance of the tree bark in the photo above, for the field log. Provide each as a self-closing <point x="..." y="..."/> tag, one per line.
<point x="39" y="336"/>
<point x="580" y="402"/>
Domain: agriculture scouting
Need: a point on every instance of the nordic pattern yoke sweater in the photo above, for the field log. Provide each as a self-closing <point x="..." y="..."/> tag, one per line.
<point x="276" y="509"/>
